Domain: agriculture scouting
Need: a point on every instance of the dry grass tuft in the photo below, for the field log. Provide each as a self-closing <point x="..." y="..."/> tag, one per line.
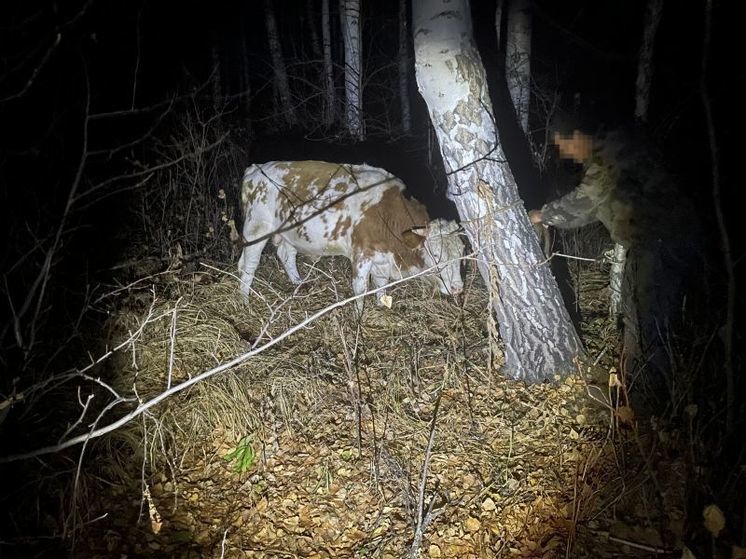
<point x="201" y="324"/>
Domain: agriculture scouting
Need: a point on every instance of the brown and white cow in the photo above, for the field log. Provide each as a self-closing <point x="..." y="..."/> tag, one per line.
<point x="357" y="211"/>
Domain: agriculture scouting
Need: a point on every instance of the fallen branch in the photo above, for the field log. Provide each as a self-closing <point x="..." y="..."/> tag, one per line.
<point x="145" y="406"/>
<point x="423" y="518"/>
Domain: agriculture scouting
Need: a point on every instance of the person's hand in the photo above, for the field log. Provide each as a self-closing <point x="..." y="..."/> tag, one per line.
<point x="535" y="216"/>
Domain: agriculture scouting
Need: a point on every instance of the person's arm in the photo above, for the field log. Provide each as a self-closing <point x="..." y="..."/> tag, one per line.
<point x="574" y="209"/>
<point x="579" y="207"/>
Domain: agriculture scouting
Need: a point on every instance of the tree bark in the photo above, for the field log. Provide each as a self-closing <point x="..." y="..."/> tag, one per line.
<point x="350" y="16"/>
<point x="518" y="58"/>
<point x="535" y="327"/>
<point x="499" y="21"/>
<point x="406" y="113"/>
<point x="326" y="33"/>
<point x="645" y="59"/>
<point x="642" y="102"/>
<point x="313" y="33"/>
<point x="616" y="276"/>
<point x="278" y="65"/>
<point x="217" y="86"/>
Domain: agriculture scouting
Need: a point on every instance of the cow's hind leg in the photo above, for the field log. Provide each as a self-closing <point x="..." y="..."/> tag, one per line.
<point x="287" y="254"/>
<point x="248" y="263"/>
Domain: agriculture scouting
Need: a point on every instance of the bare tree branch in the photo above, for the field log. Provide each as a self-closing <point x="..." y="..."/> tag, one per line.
<point x="35" y="72"/>
<point x="145" y="406"/>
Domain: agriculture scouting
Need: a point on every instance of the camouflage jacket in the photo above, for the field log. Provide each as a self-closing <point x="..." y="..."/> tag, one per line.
<point x="625" y="188"/>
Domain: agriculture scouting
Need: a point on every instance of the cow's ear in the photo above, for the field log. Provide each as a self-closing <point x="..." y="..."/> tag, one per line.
<point x="420" y="231"/>
<point x="414" y="237"/>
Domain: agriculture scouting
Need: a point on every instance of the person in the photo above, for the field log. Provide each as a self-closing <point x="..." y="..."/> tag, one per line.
<point x="626" y="188"/>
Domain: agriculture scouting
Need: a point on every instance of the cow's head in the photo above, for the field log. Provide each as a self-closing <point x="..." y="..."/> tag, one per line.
<point x="442" y="247"/>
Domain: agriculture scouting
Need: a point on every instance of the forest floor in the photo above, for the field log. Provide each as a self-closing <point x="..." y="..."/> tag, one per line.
<point x="348" y="437"/>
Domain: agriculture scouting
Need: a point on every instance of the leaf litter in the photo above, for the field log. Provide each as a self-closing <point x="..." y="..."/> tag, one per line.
<point x="314" y="447"/>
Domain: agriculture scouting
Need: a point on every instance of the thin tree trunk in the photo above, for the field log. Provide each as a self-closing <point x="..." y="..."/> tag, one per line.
<point x="518" y="58"/>
<point x="314" y="34"/>
<point x="499" y="20"/>
<point x="616" y="275"/>
<point x="642" y="101"/>
<point x="329" y="97"/>
<point x="278" y="64"/>
<point x="729" y="263"/>
<point x="645" y="59"/>
<point x="245" y="80"/>
<point x="350" y="16"/>
<point x="535" y="327"/>
<point x="217" y="87"/>
<point x="404" y="69"/>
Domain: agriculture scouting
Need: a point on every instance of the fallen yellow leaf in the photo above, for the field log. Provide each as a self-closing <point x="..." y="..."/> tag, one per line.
<point x="472" y="524"/>
<point x="714" y="520"/>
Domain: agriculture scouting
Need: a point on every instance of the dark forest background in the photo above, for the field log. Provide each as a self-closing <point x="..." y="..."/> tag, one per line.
<point x="125" y="127"/>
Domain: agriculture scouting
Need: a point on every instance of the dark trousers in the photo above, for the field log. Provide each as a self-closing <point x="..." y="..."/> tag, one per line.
<point x="653" y="294"/>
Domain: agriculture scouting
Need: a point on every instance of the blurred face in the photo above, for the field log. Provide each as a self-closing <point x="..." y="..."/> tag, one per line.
<point x="577" y="146"/>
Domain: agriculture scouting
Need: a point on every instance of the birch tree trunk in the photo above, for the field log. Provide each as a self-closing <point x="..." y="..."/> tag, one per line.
<point x="518" y="58"/>
<point x="326" y="34"/>
<point x="406" y="113"/>
<point x="278" y="64"/>
<point x="350" y="17"/>
<point x="535" y="327"/>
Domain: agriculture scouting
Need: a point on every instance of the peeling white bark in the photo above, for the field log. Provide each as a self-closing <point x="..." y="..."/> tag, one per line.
<point x="329" y="97"/>
<point x="350" y="16"/>
<point x="535" y="327"/>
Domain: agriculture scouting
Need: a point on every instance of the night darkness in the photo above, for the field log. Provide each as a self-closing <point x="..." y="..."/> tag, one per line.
<point x="125" y="127"/>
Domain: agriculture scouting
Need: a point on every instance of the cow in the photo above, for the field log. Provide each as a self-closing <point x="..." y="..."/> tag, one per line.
<point x="357" y="211"/>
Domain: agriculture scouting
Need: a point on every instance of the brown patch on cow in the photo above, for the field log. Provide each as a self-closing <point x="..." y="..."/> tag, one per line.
<point x="302" y="232"/>
<point x="412" y="239"/>
<point x="305" y="189"/>
<point x="307" y="180"/>
<point x="341" y="227"/>
<point x="383" y="225"/>
<point x="251" y="192"/>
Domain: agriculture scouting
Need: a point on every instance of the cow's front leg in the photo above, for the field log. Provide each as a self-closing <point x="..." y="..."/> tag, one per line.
<point x="287" y="254"/>
<point x="361" y="271"/>
<point x="380" y="280"/>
